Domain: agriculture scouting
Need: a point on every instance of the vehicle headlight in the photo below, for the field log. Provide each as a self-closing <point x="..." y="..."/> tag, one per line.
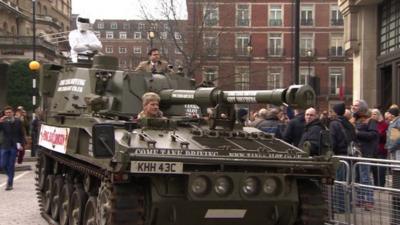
<point x="223" y="186"/>
<point x="270" y="185"/>
<point x="250" y="186"/>
<point x="200" y="185"/>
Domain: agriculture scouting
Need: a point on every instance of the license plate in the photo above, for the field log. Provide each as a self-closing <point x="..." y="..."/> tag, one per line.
<point x="156" y="167"/>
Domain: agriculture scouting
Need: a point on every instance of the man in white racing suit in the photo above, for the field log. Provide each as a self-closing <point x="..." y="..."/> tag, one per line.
<point x="82" y="40"/>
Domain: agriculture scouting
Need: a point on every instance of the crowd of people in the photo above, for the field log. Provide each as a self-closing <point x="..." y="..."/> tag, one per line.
<point x="356" y="130"/>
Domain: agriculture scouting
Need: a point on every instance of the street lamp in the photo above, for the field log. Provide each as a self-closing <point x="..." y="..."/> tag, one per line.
<point x="34" y="29"/>
<point x="151" y="37"/>
<point x="309" y="54"/>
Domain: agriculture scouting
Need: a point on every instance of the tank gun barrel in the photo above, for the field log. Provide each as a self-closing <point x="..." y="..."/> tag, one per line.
<point x="301" y="96"/>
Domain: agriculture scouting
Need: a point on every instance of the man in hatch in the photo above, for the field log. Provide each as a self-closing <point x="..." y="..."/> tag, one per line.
<point x="154" y="64"/>
<point x="151" y="108"/>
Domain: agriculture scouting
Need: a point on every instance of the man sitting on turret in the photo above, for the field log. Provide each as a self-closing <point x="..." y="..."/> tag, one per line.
<point x="82" y="40"/>
<point x="151" y="108"/>
<point x="154" y="64"/>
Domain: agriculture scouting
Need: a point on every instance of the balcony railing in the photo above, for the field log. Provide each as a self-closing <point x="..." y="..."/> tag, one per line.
<point x="48" y="20"/>
<point x="24" y="42"/>
<point x="11" y="6"/>
<point x="275" y="22"/>
<point x="275" y="52"/>
<point x="337" y="22"/>
<point x="306" y="22"/>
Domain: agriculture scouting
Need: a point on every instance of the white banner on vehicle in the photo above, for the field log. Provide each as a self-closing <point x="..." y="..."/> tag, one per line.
<point x="54" y="138"/>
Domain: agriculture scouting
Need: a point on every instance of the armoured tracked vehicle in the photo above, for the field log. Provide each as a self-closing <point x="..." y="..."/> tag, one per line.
<point x="99" y="165"/>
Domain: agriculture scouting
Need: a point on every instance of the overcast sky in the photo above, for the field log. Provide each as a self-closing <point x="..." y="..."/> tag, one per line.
<point x="120" y="9"/>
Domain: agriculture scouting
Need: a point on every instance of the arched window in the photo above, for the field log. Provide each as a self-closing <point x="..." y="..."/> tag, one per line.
<point x="13" y="30"/>
<point x="39" y="8"/>
<point x="45" y="10"/>
<point x="5" y="27"/>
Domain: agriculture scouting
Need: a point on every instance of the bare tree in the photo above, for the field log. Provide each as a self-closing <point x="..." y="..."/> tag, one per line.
<point x="187" y="38"/>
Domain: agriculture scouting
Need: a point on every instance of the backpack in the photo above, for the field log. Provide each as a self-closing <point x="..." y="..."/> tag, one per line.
<point x="350" y="137"/>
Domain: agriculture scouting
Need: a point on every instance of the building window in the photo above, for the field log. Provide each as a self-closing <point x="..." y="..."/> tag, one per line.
<point x="123" y="50"/>
<point x="242" y="41"/>
<point x="274" y="78"/>
<point x="336" y="45"/>
<point x="126" y="26"/>
<point x="306" y="44"/>
<point x="242" y="78"/>
<point x="137" y="35"/>
<point x="275" y="44"/>
<point x="177" y="36"/>
<point x="109" y="35"/>
<point x="336" y="16"/>
<point x="97" y="33"/>
<point x="141" y="26"/>
<point x="389" y="27"/>
<point x="242" y="15"/>
<point x="122" y="35"/>
<point x="210" y="44"/>
<point x="163" y="35"/>
<point x="109" y="49"/>
<point x="210" y="73"/>
<point x="335" y="80"/>
<point x="114" y="26"/>
<point x="211" y="15"/>
<point x="137" y="50"/>
<point x="305" y="74"/>
<point x="275" y="15"/>
<point x="306" y="15"/>
<point x="100" y="25"/>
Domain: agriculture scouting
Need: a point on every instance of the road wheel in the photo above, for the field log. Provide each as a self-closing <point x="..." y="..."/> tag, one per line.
<point x="55" y="202"/>
<point x="65" y="199"/>
<point x="89" y="217"/>
<point x="104" y="205"/>
<point x="43" y="166"/>
<point x="313" y="209"/>
<point x="48" y="193"/>
<point x="78" y="202"/>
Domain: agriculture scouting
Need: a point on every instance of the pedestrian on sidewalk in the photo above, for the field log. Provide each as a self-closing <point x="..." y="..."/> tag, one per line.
<point x="13" y="140"/>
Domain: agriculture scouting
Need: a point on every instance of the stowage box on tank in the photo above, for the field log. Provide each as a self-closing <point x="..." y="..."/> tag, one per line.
<point x="98" y="164"/>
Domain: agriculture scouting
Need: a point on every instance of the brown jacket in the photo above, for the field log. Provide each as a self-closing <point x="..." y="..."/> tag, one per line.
<point x="145" y="66"/>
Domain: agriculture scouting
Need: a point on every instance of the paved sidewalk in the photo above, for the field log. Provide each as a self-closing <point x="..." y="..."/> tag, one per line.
<point x="19" y="206"/>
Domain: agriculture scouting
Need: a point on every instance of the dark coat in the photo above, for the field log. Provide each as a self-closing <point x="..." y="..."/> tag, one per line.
<point x="294" y="130"/>
<point x="367" y="137"/>
<point x="339" y="141"/>
<point x="312" y="134"/>
<point x="12" y="133"/>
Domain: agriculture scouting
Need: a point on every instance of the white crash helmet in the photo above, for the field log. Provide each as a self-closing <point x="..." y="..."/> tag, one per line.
<point x="82" y="23"/>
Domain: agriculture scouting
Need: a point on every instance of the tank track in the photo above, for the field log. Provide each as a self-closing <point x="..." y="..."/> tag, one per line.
<point x="124" y="202"/>
<point x="313" y="206"/>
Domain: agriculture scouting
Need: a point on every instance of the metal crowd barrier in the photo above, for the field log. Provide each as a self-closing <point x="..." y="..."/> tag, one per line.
<point x="356" y="198"/>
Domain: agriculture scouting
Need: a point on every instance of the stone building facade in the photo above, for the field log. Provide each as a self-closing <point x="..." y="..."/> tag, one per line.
<point x="372" y="36"/>
<point x="16" y="40"/>
<point x="249" y="45"/>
